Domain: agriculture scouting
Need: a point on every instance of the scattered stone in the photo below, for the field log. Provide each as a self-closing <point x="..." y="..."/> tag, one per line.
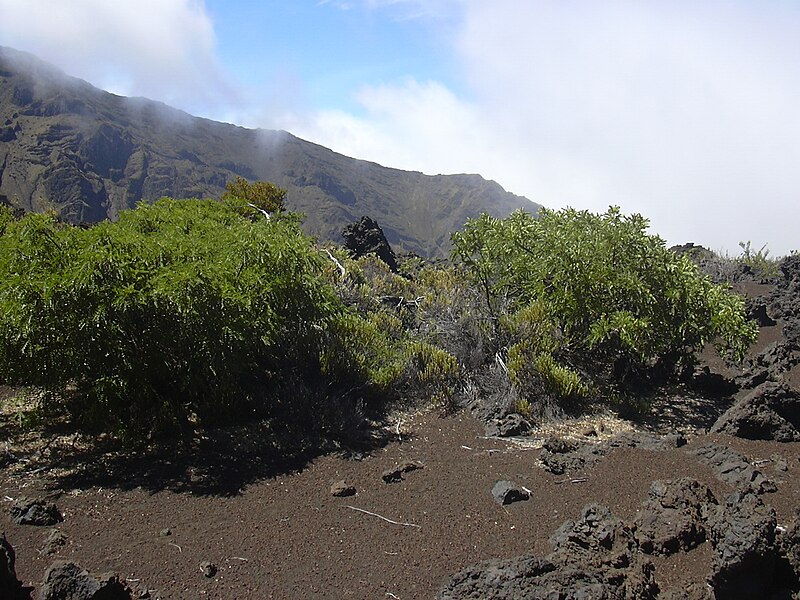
<point x="35" y="511"/>
<point x="672" y="519"/>
<point x="54" y="542"/>
<point x="341" y="489"/>
<point x="507" y="492"/>
<point x="582" y="457"/>
<point x="648" y="441"/>
<point x="589" y="431"/>
<point x="208" y="569"/>
<point x="779" y="463"/>
<point x="166" y="532"/>
<point x="396" y="474"/>
<point x="770" y="412"/>
<point x="559" y="446"/>
<point x="10" y="587"/>
<point x="510" y="425"/>
<point x="69" y="581"/>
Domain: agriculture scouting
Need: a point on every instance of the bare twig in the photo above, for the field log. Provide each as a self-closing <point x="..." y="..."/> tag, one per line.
<point x="176" y="545"/>
<point x="578" y="480"/>
<point x="499" y="360"/>
<point x="342" y="270"/>
<point x="384" y="518"/>
<point x="261" y="210"/>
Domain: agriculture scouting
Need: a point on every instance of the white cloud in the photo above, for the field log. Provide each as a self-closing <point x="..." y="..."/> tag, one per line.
<point x="163" y="49"/>
<point x="684" y="112"/>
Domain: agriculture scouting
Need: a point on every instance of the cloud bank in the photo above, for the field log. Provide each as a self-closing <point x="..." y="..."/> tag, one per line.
<point x="683" y="111"/>
<point x="160" y="49"/>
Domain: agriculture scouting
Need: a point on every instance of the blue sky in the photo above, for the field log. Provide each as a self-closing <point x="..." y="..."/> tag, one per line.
<point x="685" y="111"/>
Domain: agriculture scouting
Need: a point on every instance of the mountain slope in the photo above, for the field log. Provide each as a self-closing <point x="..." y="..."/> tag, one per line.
<point x="90" y="154"/>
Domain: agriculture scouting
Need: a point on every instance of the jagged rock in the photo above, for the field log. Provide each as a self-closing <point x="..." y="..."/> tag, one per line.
<point x="10" y="587"/>
<point x="342" y="489"/>
<point x="510" y="425"/>
<point x="770" y="412"/>
<point x="672" y="519"/>
<point x="396" y="474"/>
<point x="787" y="540"/>
<point x="733" y="468"/>
<point x="364" y="237"/>
<point x="54" y="541"/>
<point x="497" y="579"/>
<point x="507" y="492"/>
<point x="597" y="538"/>
<point x="69" y="581"/>
<point x="27" y="511"/>
<point x="757" y="311"/>
<point x="742" y="534"/>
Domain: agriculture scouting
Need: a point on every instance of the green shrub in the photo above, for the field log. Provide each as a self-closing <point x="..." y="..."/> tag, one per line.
<point x="594" y="294"/>
<point x="182" y="313"/>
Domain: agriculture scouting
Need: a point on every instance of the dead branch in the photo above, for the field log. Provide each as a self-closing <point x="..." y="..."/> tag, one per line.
<point x="261" y="210"/>
<point x="176" y="545"/>
<point x="384" y="518"/>
<point x="342" y="270"/>
<point x="578" y="480"/>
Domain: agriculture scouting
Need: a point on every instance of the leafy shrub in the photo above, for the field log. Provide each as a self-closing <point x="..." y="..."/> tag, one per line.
<point x="593" y="295"/>
<point x="182" y="313"/>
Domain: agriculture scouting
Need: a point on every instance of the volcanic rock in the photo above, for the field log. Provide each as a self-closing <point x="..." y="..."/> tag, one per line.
<point x="507" y="492"/>
<point x="26" y="511"/>
<point x="364" y="237"/>
<point x="510" y="425"/>
<point x="770" y="412"/>
<point x="672" y="519"/>
<point x="10" y="587"/>
<point x="69" y="581"/>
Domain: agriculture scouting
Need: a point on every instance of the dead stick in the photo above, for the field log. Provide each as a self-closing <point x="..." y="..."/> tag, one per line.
<point x="384" y="518"/>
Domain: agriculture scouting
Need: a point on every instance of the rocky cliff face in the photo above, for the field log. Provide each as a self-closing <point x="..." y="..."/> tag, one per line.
<point x="90" y="154"/>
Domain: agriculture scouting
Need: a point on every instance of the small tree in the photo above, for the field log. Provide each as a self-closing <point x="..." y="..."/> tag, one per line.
<point x="261" y="195"/>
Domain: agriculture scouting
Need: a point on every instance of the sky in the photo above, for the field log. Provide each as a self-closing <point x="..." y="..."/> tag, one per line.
<point x="685" y="111"/>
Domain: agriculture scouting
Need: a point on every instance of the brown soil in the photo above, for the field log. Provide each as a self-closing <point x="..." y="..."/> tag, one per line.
<point x="286" y="537"/>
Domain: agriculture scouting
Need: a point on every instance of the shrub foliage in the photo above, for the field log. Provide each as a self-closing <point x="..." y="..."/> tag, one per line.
<point x="583" y="299"/>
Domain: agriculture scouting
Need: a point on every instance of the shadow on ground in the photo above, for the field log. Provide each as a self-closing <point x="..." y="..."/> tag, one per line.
<point x="222" y="462"/>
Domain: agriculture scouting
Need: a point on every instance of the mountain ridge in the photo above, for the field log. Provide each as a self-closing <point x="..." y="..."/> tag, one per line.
<point x="89" y="154"/>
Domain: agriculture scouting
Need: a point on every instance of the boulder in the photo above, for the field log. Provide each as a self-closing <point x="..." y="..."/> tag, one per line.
<point x="342" y="489"/>
<point x="507" y="492"/>
<point x="396" y="474"/>
<point x="672" y="518"/>
<point x="742" y="534"/>
<point x="733" y="468"/>
<point x="10" y="587"/>
<point x="770" y="412"/>
<point x="27" y="511"/>
<point x="364" y="237"/>
<point x="510" y="425"/>
<point x="69" y="581"/>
